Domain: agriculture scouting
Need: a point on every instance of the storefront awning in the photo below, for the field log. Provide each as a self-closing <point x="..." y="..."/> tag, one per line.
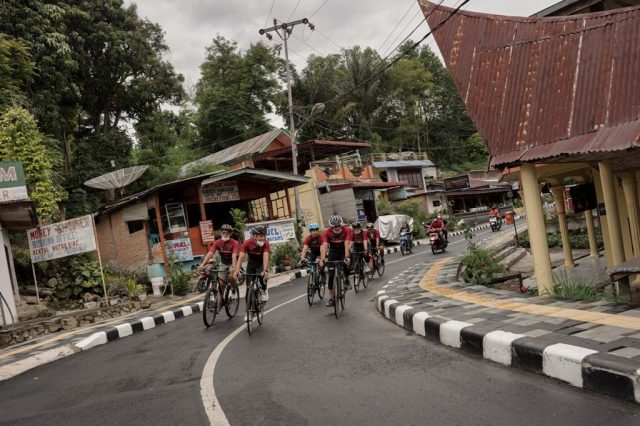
<point x="18" y="215"/>
<point x="277" y="179"/>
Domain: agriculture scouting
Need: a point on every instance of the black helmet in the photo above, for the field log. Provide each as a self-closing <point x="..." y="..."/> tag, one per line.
<point x="356" y="225"/>
<point x="259" y="230"/>
<point x="226" y="227"/>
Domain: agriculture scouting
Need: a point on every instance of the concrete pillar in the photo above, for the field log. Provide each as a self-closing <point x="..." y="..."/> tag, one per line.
<point x="633" y="209"/>
<point x="536" y="225"/>
<point x="591" y="231"/>
<point x="558" y="197"/>
<point x="604" y="225"/>
<point x="611" y="205"/>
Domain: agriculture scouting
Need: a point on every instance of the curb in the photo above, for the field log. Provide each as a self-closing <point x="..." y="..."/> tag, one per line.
<point x="580" y="367"/>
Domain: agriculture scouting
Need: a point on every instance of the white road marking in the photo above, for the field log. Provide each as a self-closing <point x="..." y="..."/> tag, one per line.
<point x="207" y="391"/>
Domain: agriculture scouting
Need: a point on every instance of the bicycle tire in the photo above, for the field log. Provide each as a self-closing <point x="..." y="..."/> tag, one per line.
<point x="343" y="295"/>
<point x="321" y="285"/>
<point x="336" y="296"/>
<point x="356" y="278"/>
<point x="380" y="267"/>
<point x="364" y="279"/>
<point x="372" y="269"/>
<point x="311" y="288"/>
<point x="249" y="315"/>
<point x="258" y="308"/>
<point x="210" y="308"/>
<point x="203" y="284"/>
<point x="232" y="301"/>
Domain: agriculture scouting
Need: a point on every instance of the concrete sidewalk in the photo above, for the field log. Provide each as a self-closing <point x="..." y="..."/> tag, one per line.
<point x="592" y="345"/>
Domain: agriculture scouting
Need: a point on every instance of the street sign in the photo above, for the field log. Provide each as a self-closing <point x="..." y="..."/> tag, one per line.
<point x="457" y="182"/>
<point x="12" y="183"/>
<point x="62" y="239"/>
<point x="206" y="232"/>
<point x="220" y="192"/>
<point x="180" y="248"/>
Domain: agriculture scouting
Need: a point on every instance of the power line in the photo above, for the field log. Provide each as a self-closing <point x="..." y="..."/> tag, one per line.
<point x="269" y="15"/>
<point x="307" y="44"/>
<point x="318" y="9"/>
<point x="393" y="43"/>
<point x="294" y="10"/>
<point x="328" y="39"/>
<point x="397" y="25"/>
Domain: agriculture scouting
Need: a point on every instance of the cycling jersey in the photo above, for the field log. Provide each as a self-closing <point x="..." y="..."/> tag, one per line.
<point x="337" y="241"/>
<point x="373" y="235"/>
<point x="358" y="240"/>
<point x="314" y="243"/>
<point x="226" y="249"/>
<point x="253" y="250"/>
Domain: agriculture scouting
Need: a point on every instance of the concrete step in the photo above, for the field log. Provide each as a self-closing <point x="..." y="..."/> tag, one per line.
<point x="505" y="252"/>
<point x="514" y="257"/>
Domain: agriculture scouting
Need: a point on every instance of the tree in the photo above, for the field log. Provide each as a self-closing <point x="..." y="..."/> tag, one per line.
<point x="21" y="141"/>
<point x="235" y="91"/>
<point x="16" y="70"/>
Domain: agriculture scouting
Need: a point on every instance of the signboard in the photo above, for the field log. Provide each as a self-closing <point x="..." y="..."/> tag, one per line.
<point x="206" y="232"/>
<point x="180" y="249"/>
<point x="457" y="182"/>
<point x="62" y="239"/>
<point x="220" y="192"/>
<point x="278" y="231"/>
<point x="12" y="184"/>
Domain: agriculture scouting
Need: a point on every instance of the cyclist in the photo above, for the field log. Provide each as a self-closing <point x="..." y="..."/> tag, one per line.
<point x="335" y="247"/>
<point x="228" y="249"/>
<point x="257" y="251"/>
<point x="373" y="235"/>
<point x="312" y="246"/>
<point x="359" y="243"/>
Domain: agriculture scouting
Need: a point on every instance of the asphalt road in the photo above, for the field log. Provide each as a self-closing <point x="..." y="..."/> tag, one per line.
<point x="301" y="367"/>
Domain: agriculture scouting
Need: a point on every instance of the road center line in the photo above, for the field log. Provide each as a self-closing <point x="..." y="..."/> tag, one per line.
<point x="207" y="391"/>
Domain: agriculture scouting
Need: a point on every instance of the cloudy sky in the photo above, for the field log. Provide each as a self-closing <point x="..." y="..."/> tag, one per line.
<point x="190" y="25"/>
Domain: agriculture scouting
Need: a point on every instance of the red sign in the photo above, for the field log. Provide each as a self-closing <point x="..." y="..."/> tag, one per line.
<point x="206" y="232"/>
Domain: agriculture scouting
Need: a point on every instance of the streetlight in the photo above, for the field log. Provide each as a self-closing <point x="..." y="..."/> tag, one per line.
<point x="317" y="109"/>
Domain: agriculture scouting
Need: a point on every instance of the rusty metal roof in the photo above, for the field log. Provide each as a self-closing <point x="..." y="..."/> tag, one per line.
<point x="539" y="88"/>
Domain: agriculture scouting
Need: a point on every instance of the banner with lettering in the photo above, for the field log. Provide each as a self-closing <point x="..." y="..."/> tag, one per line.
<point x="62" y="239"/>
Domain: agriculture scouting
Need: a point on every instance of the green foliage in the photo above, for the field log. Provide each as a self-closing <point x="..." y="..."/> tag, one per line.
<point x="134" y="289"/>
<point x="178" y="277"/>
<point x="481" y="266"/>
<point x="20" y="140"/>
<point x="567" y="289"/>
<point x="384" y="207"/>
<point x="16" y="70"/>
<point x="239" y="222"/>
<point x="284" y="254"/>
<point x="577" y="240"/>
<point x="71" y="277"/>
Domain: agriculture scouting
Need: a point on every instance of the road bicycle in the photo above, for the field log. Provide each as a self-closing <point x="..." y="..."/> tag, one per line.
<point x="338" y="285"/>
<point x="316" y="283"/>
<point x="377" y="265"/>
<point x="359" y="274"/>
<point x="230" y="299"/>
<point x="253" y="301"/>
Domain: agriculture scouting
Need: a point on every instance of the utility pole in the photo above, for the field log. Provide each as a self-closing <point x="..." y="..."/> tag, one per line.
<point x="284" y="32"/>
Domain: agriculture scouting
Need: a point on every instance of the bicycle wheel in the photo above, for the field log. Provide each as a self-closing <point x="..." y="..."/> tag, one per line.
<point x="232" y="298"/>
<point x="337" y="294"/>
<point x="202" y="285"/>
<point x="249" y="316"/>
<point x="380" y="266"/>
<point x="364" y="279"/>
<point x="311" y="288"/>
<point x="210" y="307"/>
<point x="356" y="278"/>
<point x="258" y="308"/>
<point x="372" y="269"/>
<point x="343" y="295"/>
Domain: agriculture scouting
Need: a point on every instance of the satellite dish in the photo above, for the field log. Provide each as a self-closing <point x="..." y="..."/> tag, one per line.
<point x="117" y="179"/>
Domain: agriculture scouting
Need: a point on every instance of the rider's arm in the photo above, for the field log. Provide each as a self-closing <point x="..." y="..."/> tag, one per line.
<point x="323" y="250"/>
<point x="303" y="253"/>
<point x="209" y="255"/>
<point x="239" y="262"/>
<point x="265" y="258"/>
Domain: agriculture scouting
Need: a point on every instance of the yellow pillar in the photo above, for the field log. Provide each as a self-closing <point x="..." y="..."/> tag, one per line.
<point x="633" y="209"/>
<point x="604" y="225"/>
<point x="611" y="206"/>
<point x="558" y="197"/>
<point x="536" y="225"/>
<point x="591" y="231"/>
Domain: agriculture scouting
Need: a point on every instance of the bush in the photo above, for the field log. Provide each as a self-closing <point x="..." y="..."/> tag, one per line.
<point x="567" y="289"/>
<point x="284" y="254"/>
<point x="71" y="277"/>
<point x="481" y="267"/>
<point x="239" y="223"/>
<point x="578" y="240"/>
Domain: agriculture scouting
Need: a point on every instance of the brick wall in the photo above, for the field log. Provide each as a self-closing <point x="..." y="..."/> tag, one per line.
<point x="118" y="247"/>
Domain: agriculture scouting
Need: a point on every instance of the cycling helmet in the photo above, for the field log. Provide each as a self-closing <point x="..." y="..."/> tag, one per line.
<point x="259" y="230"/>
<point x="226" y="227"/>
<point x="356" y="225"/>
<point x="314" y="227"/>
<point x="369" y="225"/>
<point x="335" y="221"/>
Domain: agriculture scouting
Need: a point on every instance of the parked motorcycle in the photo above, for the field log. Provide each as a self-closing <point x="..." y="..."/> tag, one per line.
<point x="405" y="243"/>
<point x="495" y="223"/>
<point x="438" y="243"/>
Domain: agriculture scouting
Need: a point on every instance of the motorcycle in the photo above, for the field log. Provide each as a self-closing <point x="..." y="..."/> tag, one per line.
<point x="437" y="241"/>
<point x="495" y="223"/>
<point x="405" y="243"/>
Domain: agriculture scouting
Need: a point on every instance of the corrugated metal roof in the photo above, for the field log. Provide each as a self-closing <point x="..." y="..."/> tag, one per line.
<point x="403" y="163"/>
<point x="538" y="88"/>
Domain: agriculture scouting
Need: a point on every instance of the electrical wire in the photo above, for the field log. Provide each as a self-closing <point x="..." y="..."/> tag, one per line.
<point x="397" y="25"/>
<point x="294" y="10"/>
<point x="328" y="39"/>
<point x="266" y="21"/>
<point x="307" y="44"/>
<point x="318" y="9"/>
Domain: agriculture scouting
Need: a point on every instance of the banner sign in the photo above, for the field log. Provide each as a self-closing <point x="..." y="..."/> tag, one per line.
<point x="279" y="231"/>
<point x="457" y="182"/>
<point x="220" y="192"/>
<point x="180" y="249"/>
<point x="62" y="239"/>
<point x="12" y="184"/>
<point x="206" y="232"/>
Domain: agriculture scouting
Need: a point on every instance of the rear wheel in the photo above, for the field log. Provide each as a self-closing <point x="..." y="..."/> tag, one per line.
<point x="311" y="288"/>
<point x="433" y="249"/>
<point x="210" y="308"/>
<point x="232" y="297"/>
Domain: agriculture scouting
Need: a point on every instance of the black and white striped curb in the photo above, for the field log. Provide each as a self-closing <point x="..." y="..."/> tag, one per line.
<point x="142" y="324"/>
<point x="581" y="367"/>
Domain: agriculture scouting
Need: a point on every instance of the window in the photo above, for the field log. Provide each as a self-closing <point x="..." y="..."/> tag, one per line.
<point x="135" y="226"/>
<point x="279" y="204"/>
<point x="412" y="176"/>
<point x="175" y="217"/>
<point x="436" y="203"/>
<point x="258" y="210"/>
<point x="193" y="215"/>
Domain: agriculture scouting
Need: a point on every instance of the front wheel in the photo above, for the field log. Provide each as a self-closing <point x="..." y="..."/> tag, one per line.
<point x="210" y="308"/>
<point x="356" y="279"/>
<point x="433" y="249"/>
<point x="321" y="284"/>
<point x="203" y="284"/>
<point x="311" y="289"/>
<point x="372" y="267"/>
<point x="403" y="248"/>
<point x="232" y="296"/>
<point x="249" y="315"/>
<point x="380" y="266"/>
<point x="363" y="278"/>
<point x="258" y="308"/>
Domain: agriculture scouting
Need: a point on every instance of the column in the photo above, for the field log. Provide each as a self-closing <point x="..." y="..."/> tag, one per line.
<point x="163" y="247"/>
<point x="536" y="225"/>
<point x="591" y="231"/>
<point x="611" y="205"/>
<point x="633" y="209"/>
<point x="558" y="198"/>
<point x="602" y="219"/>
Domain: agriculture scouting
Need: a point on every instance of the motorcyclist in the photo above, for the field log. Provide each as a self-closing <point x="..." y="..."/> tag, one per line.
<point x="438" y="225"/>
<point x="406" y="229"/>
<point x="495" y="212"/>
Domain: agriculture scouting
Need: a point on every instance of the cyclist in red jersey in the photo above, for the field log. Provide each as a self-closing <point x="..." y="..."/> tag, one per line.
<point x="312" y="247"/>
<point x="228" y="249"/>
<point x="374" y="242"/>
<point x="257" y="251"/>
<point x="359" y="243"/>
<point x="336" y="245"/>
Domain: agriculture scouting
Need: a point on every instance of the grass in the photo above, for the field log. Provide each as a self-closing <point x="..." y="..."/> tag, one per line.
<point x="575" y="290"/>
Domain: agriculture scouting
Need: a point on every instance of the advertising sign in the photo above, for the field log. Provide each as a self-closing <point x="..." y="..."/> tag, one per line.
<point x="457" y="182"/>
<point x="12" y="184"/>
<point x="62" y="239"/>
<point x="220" y="192"/>
<point x="180" y="249"/>
<point x="278" y="231"/>
<point x="206" y="232"/>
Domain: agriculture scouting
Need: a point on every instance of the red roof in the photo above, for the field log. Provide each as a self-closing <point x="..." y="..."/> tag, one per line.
<point x="539" y="88"/>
